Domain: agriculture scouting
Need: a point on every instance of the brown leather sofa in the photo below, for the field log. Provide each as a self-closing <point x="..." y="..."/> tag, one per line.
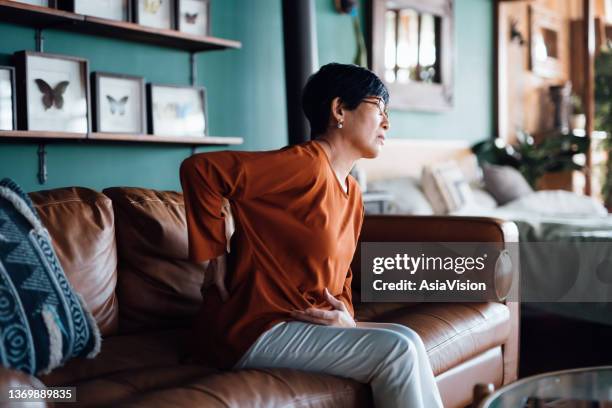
<point x="125" y="251"/>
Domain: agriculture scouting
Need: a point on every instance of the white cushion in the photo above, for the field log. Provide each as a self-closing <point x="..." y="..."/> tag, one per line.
<point x="408" y="198"/>
<point x="556" y="202"/>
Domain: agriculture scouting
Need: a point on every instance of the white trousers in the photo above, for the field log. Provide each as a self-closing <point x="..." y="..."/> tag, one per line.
<point x="390" y="357"/>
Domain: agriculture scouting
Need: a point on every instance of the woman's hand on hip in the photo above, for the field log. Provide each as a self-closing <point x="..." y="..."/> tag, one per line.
<point x="339" y="317"/>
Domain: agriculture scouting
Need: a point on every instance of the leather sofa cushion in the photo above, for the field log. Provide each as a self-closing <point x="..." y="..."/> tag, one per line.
<point x="125" y="353"/>
<point x="454" y="332"/>
<point x="81" y="224"/>
<point x="151" y="370"/>
<point x="243" y="389"/>
<point x="158" y="286"/>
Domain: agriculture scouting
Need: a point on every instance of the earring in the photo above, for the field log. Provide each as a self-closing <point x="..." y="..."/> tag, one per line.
<point x="339" y="125"/>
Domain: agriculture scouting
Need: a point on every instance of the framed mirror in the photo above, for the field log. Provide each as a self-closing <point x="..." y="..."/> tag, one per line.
<point x="412" y="50"/>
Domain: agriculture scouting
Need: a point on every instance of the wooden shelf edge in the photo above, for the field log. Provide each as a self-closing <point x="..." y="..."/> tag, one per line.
<point x="32" y="135"/>
<point x="38" y="134"/>
<point x="35" y="16"/>
<point x="203" y="140"/>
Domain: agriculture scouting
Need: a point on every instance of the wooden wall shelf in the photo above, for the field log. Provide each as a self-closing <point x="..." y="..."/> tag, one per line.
<point x="44" y="137"/>
<point x="43" y="18"/>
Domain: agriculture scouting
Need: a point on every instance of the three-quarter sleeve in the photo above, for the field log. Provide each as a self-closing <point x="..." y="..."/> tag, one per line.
<point x="208" y="178"/>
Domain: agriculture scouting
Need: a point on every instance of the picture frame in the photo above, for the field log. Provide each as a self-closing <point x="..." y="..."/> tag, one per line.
<point x="545" y="42"/>
<point x="39" y="3"/>
<point x="175" y="110"/>
<point x="118" y="103"/>
<point x="155" y="13"/>
<point x="8" y="100"/>
<point x="53" y="92"/>
<point x="436" y="95"/>
<point x="193" y="17"/>
<point x="119" y="10"/>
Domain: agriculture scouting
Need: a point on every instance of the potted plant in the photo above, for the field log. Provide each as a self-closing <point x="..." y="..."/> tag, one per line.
<point x="555" y="153"/>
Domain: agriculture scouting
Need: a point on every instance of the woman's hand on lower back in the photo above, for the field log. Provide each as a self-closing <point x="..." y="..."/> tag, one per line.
<point x="217" y="268"/>
<point x="339" y="317"/>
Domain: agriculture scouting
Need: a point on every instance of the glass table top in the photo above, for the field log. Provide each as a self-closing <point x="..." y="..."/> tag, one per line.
<point x="578" y="388"/>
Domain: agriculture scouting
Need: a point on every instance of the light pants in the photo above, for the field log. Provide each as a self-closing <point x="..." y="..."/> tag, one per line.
<point x="390" y="357"/>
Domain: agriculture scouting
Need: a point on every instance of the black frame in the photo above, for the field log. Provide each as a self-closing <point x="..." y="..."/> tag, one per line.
<point x="68" y="5"/>
<point x="178" y="12"/>
<point x="136" y="17"/>
<point x="95" y="81"/>
<point x="21" y="67"/>
<point x="200" y="89"/>
<point x="13" y="94"/>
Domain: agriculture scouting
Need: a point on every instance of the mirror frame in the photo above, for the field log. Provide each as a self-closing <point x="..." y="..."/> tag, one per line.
<point x="434" y="97"/>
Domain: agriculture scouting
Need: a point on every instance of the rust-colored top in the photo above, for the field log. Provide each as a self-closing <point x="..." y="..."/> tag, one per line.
<point x="296" y="233"/>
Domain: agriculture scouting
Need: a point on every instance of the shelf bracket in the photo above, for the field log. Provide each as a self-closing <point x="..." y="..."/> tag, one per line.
<point x="42" y="164"/>
<point x="193" y="69"/>
<point x="40" y="40"/>
<point x="193" y="149"/>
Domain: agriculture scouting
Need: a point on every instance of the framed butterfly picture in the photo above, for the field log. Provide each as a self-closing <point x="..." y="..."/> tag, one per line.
<point x="193" y="17"/>
<point x="154" y="13"/>
<point x="119" y="10"/>
<point x="119" y="103"/>
<point x="177" y="110"/>
<point x="8" y="116"/>
<point x="53" y="92"/>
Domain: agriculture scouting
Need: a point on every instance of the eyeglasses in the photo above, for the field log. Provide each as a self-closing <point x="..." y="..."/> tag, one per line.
<point x="384" y="110"/>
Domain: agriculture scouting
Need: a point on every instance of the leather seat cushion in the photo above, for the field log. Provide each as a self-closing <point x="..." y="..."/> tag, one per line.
<point x="243" y="389"/>
<point x="82" y="227"/>
<point x="454" y="332"/>
<point x="125" y="353"/>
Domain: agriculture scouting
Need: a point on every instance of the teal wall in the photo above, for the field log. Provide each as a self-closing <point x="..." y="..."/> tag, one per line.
<point x="246" y="97"/>
<point x="471" y="118"/>
<point x="246" y="94"/>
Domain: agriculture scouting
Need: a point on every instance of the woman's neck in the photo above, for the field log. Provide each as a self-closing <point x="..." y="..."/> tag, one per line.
<point x="340" y="156"/>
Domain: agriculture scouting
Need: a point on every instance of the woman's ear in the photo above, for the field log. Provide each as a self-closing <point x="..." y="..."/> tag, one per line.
<point x="337" y="110"/>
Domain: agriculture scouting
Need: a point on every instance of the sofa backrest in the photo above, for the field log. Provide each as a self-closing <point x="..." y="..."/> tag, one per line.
<point x="81" y="224"/>
<point x="158" y="287"/>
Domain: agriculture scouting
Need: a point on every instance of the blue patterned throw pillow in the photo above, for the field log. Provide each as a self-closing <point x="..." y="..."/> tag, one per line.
<point x="43" y="321"/>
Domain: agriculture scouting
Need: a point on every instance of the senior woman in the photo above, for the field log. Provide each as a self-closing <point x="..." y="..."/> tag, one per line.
<point x="285" y="300"/>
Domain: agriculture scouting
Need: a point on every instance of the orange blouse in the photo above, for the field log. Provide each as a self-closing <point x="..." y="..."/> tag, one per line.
<point x="296" y="233"/>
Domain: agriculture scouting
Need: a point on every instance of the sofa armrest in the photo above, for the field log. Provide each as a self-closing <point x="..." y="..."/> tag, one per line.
<point x="408" y="228"/>
<point x="415" y="228"/>
<point x="13" y="379"/>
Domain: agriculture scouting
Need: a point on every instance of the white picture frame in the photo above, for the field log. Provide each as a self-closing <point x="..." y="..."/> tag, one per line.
<point x="53" y="92"/>
<point x="193" y="17"/>
<point x="39" y="3"/>
<point x="119" y="103"/>
<point x="8" y="115"/>
<point x="154" y="13"/>
<point x="110" y="9"/>
<point x="177" y="110"/>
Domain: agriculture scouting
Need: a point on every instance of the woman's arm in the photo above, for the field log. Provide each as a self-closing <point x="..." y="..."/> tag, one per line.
<point x="207" y="179"/>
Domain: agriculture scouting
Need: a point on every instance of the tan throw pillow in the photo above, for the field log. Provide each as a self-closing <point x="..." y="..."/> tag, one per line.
<point x="445" y="187"/>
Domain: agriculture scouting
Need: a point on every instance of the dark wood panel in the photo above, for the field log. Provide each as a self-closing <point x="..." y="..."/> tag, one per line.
<point x="43" y="17"/>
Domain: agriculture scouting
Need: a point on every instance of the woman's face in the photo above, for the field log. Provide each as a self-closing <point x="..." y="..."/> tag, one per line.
<point x="366" y="126"/>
